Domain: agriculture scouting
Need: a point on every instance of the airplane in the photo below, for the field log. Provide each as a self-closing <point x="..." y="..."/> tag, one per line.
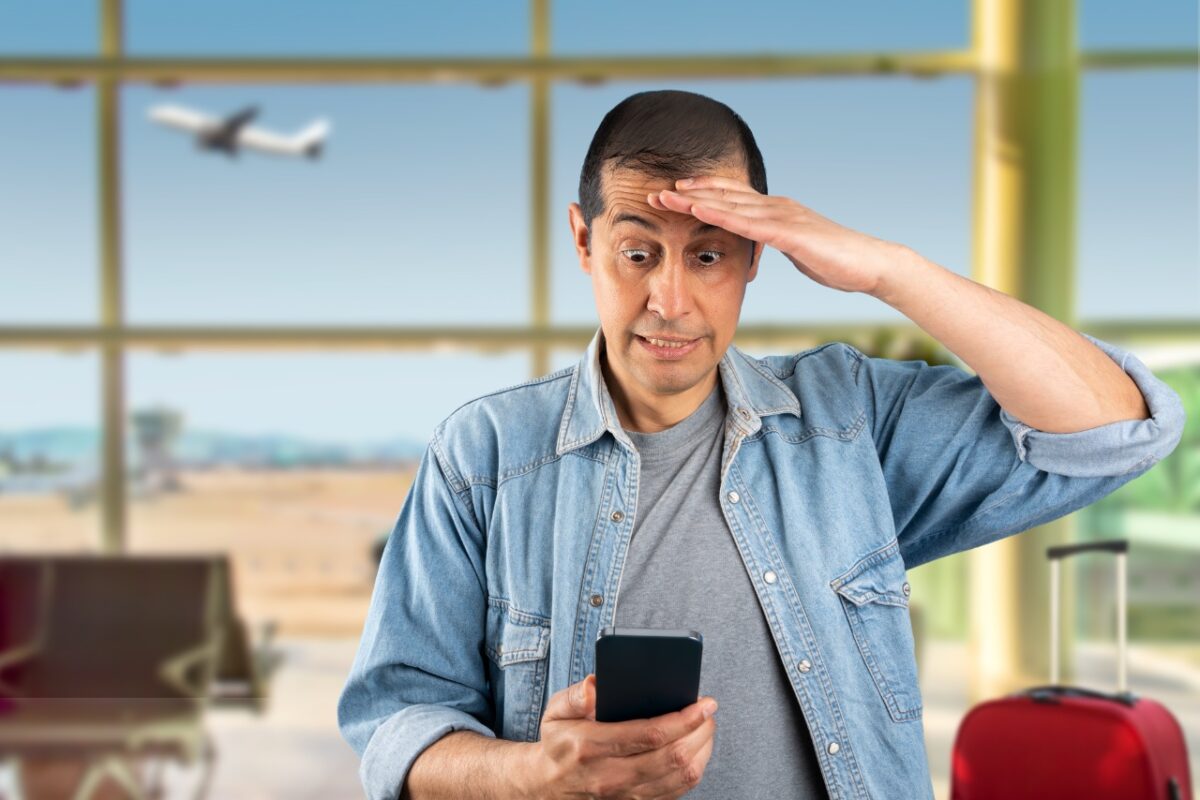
<point x="233" y="132"/>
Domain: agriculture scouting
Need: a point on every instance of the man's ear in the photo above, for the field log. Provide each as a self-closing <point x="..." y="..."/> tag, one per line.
<point x="580" y="236"/>
<point x="756" y="252"/>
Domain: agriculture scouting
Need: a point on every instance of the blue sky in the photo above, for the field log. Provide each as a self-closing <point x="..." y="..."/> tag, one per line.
<point x="419" y="212"/>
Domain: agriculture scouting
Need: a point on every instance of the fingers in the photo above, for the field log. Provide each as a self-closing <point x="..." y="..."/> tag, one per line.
<point x="750" y="203"/>
<point x="753" y="220"/>
<point x="756" y="228"/>
<point x="668" y="749"/>
<point x="635" y="736"/>
<point x="680" y="767"/>
<point x="715" y="181"/>
<point x="577" y="701"/>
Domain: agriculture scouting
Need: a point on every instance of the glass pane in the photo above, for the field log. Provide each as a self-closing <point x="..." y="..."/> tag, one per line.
<point x="823" y="145"/>
<point x="48" y="232"/>
<point x="707" y="27"/>
<point x="561" y="359"/>
<point x="49" y="27"/>
<point x="1139" y="235"/>
<point x="415" y="213"/>
<point x="296" y="470"/>
<point x="49" y="452"/>
<point x="1117" y="23"/>
<point x="322" y="27"/>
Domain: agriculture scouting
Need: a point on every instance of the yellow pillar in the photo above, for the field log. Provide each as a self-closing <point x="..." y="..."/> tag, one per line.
<point x="112" y="378"/>
<point x="539" y="184"/>
<point x="1024" y="245"/>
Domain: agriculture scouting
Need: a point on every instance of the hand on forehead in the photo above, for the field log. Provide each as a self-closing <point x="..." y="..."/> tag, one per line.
<point x="629" y="191"/>
<point x="703" y="187"/>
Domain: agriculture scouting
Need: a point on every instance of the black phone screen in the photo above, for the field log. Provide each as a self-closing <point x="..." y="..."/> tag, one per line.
<point x="645" y="672"/>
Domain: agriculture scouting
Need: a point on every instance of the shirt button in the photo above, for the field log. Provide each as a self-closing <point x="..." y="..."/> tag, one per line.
<point x="769" y="576"/>
<point x="618" y="515"/>
<point x="906" y="589"/>
<point x="734" y="497"/>
<point x="744" y="413"/>
<point x="833" y="748"/>
<point x="597" y="599"/>
<point x="804" y="665"/>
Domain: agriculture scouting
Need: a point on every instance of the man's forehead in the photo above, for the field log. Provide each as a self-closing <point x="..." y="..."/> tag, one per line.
<point x="649" y="219"/>
<point x="627" y="180"/>
<point x="624" y="193"/>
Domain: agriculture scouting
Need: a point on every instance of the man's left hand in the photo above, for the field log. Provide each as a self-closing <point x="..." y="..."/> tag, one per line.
<point x="830" y="254"/>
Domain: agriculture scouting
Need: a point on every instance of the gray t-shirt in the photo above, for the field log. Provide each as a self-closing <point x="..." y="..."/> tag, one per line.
<point x="683" y="570"/>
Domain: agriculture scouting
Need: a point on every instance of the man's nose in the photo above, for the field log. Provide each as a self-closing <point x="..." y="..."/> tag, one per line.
<point x="670" y="296"/>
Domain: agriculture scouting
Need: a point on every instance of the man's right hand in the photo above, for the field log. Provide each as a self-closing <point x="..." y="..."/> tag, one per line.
<point x="577" y="756"/>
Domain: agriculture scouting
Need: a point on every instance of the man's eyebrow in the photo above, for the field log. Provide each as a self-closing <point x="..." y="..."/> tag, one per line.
<point x="626" y="216"/>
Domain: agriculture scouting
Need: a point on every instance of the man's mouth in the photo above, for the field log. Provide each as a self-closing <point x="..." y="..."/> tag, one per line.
<point x="667" y="348"/>
<point x="654" y="340"/>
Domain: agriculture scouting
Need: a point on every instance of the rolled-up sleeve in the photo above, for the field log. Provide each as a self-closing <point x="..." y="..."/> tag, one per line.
<point x="419" y="671"/>
<point x="1112" y="449"/>
<point x="961" y="472"/>
<point x="395" y="745"/>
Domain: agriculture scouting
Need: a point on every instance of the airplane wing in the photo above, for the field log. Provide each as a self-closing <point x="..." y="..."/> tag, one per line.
<point x="184" y="119"/>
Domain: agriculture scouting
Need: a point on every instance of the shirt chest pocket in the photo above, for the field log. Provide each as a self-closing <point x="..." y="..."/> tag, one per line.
<point x="874" y="595"/>
<point x="517" y="644"/>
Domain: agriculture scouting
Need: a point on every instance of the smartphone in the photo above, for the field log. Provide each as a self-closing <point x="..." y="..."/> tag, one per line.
<point x="644" y="672"/>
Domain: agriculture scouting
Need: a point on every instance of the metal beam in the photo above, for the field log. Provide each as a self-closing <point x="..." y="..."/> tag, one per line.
<point x="443" y="339"/>
<point x="491" y="71"/>
<point x="498" y="71"/>
<point x="539" y="184"/>
<point x="1139" y="59"/>
<point x="487" y="338"/>
<point x="112" y="356"/>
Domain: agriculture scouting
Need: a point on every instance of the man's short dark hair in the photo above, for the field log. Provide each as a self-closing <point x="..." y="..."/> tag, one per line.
<point x="667" y="134"/>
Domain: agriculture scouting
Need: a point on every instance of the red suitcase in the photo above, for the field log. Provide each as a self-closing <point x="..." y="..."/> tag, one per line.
<point x="1065" y="742"/>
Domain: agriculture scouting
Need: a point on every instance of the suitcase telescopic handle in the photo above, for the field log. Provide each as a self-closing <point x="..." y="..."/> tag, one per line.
<point x="1064" y="550"/>
<point x="1119" y="548"/>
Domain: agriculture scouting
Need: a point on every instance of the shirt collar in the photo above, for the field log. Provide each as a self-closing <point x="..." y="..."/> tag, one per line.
<point x="751" y="392"/>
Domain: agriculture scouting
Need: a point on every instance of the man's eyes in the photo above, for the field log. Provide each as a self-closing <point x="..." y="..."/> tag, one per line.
<point x="642" y="258"/>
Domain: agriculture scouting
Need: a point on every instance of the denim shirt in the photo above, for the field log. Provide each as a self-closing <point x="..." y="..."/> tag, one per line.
<point x="839" y="473"/>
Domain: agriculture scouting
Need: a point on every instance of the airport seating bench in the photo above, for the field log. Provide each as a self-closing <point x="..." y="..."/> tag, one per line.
<point x="111" y="661"/>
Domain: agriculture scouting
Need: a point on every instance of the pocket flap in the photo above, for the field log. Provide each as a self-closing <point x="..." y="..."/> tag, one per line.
<point x="515" y="636"/>
<point x="877" y="578"/>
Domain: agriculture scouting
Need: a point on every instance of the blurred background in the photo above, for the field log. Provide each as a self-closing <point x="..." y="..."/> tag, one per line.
<point x="239" y="358"/>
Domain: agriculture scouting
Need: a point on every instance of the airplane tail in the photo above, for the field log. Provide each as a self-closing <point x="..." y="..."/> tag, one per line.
<point x="311" y="140"/>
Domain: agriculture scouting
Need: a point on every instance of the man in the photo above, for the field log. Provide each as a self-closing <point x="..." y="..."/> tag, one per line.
<point x="771" y="504"/>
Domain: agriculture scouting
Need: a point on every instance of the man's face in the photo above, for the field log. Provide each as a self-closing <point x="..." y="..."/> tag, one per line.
<point x="661" y="275"/>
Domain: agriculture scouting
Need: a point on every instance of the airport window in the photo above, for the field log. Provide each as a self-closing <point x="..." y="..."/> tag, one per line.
<point x="49" y="452"/>
<point x="413" y="199"/>
<point x="633" y="28"/>
<point x="297" y="470"/>
<point x="561" y="359"/>
<point x="1138" y="205"/>
<point x="48" y="27"/>
<point x="326" y="28"/>
<point x="1119" y="24"/>
<point x="47" y="232"/>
